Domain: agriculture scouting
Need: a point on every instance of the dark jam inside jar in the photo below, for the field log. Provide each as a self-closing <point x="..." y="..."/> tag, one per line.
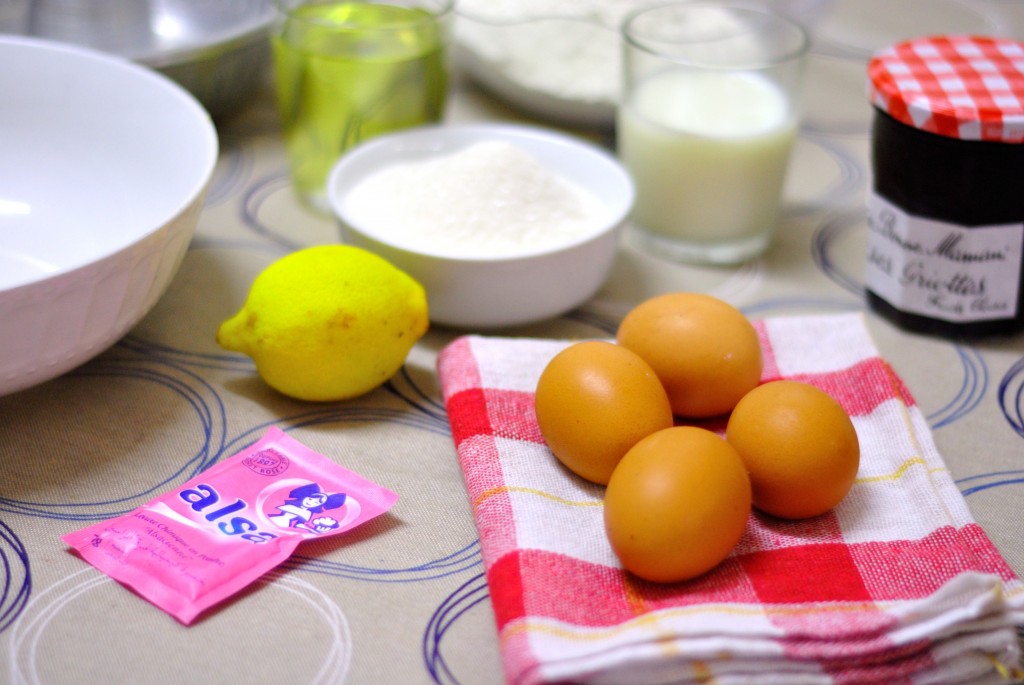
<point x="968" y="183"/>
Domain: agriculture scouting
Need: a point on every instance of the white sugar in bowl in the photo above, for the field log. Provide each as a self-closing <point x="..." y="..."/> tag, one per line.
<point x="503" y="224"/>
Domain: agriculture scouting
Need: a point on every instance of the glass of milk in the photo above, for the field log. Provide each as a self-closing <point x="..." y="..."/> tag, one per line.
<point x="706" y="123"/>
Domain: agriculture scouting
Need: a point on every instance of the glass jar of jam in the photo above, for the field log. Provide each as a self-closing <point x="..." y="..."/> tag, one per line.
<point x="946" y="206"/>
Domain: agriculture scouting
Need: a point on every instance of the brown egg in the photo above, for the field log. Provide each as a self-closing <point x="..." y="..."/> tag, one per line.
<point x="704" y="350"/>
<point x="677" y="504"/>
<point x="799" y="445"/>
<point x="594" y="401"/>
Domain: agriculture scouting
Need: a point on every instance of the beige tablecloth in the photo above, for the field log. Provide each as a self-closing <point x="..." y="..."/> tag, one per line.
<point x="403" y="599"/>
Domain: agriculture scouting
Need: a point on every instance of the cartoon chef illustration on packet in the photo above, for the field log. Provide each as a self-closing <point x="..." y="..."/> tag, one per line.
<point x="304" y="503"/>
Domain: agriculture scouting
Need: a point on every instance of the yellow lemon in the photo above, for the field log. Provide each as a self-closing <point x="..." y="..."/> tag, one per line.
<point x="329" y="322"/>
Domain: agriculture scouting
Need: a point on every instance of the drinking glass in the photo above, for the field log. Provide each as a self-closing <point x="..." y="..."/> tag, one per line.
<point x="347" y="71"/>
<point x="706" y="124"/>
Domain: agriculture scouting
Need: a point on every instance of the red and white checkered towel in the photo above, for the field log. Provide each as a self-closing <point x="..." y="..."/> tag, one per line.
<point x="898" y="584"/>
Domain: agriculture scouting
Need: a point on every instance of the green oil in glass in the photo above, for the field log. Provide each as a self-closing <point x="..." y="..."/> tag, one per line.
<point x="348" y="71"/>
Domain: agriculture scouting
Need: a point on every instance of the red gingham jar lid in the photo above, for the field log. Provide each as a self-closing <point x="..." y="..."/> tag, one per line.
<point x="964" y="87"/>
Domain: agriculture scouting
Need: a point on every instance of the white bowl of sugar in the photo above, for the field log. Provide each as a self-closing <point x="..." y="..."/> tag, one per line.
<point x="503" y="224"/>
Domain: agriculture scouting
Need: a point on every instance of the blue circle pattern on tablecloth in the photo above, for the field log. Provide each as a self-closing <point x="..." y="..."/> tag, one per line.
<point x="191" y="389"/>
<point x="15" y="576"/>
<point x="464" y="599"/>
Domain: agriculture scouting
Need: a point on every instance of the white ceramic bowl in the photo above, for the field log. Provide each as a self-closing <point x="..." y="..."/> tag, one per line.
<point x="105" y="166"/>
<point x="517" y="287"/>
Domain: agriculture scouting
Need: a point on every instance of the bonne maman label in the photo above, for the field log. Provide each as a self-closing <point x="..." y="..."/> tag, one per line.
<point x="942" y="270"/>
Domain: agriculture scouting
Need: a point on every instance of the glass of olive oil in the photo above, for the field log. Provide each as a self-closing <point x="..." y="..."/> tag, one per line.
<point x="347" y="71"/>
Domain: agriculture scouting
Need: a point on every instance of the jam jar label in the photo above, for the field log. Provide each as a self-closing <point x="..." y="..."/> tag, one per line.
<point x="941" y="270"/>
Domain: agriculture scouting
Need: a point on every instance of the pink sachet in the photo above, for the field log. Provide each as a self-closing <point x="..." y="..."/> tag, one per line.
<point x="196" y="545"/>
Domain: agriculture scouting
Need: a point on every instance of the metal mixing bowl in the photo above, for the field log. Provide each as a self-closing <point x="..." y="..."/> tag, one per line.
<point x="216" y="49"/>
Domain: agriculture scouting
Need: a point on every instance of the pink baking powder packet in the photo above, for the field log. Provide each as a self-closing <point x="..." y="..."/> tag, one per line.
<point x="196" y="545"/>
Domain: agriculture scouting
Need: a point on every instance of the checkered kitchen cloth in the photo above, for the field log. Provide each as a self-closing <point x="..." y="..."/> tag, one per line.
<point x="898" y="584"/>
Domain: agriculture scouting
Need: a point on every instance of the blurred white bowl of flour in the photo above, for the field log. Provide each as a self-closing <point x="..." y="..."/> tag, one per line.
<point x="562" y="69"/>
<point x="559" y="62"/>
